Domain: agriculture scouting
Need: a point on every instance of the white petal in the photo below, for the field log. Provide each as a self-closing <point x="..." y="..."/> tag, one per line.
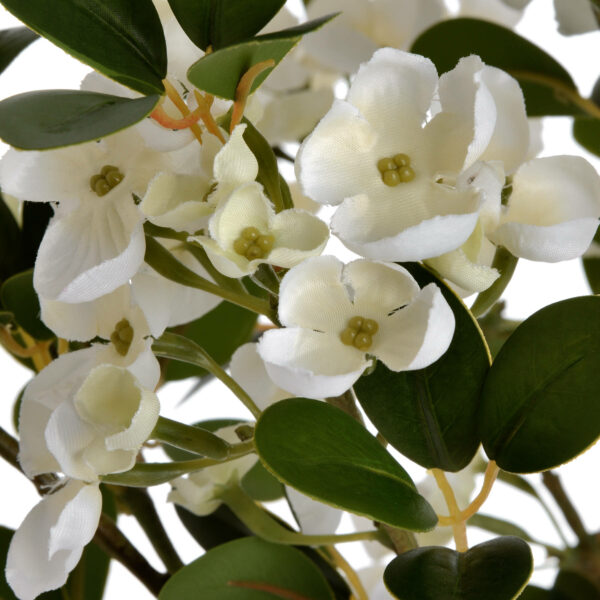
<point x="416" y="336"/>
<point x="49" y="543"/>
<point x="314" y="518"/>
<point x="90" y="251"/>
<point x="313" y="296"/>
<point x="575" y="16"/>
<point x="337" y="160"/>
<point x="310" y="364"/>
<point x="235" y="164"/>
<point x="496" y="11"/>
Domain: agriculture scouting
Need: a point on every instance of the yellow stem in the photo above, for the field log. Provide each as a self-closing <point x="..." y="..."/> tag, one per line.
<point x="183" y="108"/>
<point x="38" y="352"/>
<point x="62" y="346"/>
<point x="209" y="122"/>
<point x="243" y="90"/>
<point x="346" y="568"/>
<point x="459" y="527"/>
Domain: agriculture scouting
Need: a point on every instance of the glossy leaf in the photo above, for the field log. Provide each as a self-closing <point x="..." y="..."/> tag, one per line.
<point x="326" y="454"/>
<point x="36" y="216"/>
<point x="540" y="398"/>
<point x="494" y="570"/>
<point x="12" y="42"/>
<point x="430" y="415"/>
<point x="570" y="585"/>
<point x="591" y="266"/>
<point x="123" y="40"/>
<point x="219" y="73"/>
<point x="541" y="77"/>
<point x="532" y="592"/>
<point x="19" y="297"/>
<point x="220" y="332"/>
<point x="248" y="569"/>
<point x="219" y="23"/>
<point x="56" y="118"/>
<point x="10" y="242"/>
<point x="587" y="132"/>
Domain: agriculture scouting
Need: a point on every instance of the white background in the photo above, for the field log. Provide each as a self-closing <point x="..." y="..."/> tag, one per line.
<point x="534" y="285"/>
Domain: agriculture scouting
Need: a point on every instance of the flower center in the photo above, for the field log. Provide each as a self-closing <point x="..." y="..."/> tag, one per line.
<point x="359" y="333"/>
<point x="253" y="244"/>
<point x="395" y="169"/>
<point x="122" y="336"/>
<point x="108" y="178"/>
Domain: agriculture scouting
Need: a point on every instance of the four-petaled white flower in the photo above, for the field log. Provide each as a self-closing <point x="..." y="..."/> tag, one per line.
<point x="334" y="315"/>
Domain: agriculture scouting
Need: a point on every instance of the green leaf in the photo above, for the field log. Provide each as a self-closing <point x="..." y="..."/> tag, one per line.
<point x="56" y="118"/>
<point x="219" y="23"/>
<point x="219" y="73"/>
<point x="542" y="78"/>
<point x="591" y="266"/>
<point x="326" y="454"/>
<point x="248" y="569"/>
<point x="36" y="216"/>
<point x="220" y="332"/>
<point x="586" y="131"/>
<point x="494" y="570"/>
<point x="123" y="40"/>
<point x="19" y="297"/>
<point x="540" y="398"/>
<point x="430" y="415"/>
<point x="260" y="485"/>
<point x="12" y="42"/>
<point x="10" y="242"/>
<point x="532" y="592"/>
<point x="570" y="585"/>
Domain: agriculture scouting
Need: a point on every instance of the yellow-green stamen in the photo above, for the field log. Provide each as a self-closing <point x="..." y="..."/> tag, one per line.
<point x="253" y="244"/>
<point x="359" y="333"/>
<point x="122" y="337"/>
<point x="108" y="178"/>
<point x="395" y="169"/>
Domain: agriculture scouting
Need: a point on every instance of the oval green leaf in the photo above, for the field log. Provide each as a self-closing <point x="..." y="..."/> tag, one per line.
<point x="248" y="569"/>
<point x="430" y="415"/>
<point x="540" y="399"/>
<point x="494" y="570"/>
<point x="10" y="242"/>
<point x="326" y="454"/>
<point x="12" y="42"/>
<point x="586" y="131"/>
<point x="220" y="23"/>
<point x="56" y="118"/>
<point x="123" y="40"/>
<point x="219" y="73"/>
<point x="542" y="78"/>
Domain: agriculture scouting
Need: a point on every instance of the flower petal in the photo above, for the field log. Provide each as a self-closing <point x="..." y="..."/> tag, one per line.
<point x="235" y="164"/>
<point x="575" y="16"/>
<point x="49" y="543"/>
<point x="314" y="518"/>
<point x="310" y="364"/>
<point x="416" y="336"/>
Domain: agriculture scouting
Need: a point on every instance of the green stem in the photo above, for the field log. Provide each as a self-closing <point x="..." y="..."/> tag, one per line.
<point x="147" y="474"/>
<point x="506" y="263"/>
<point x="164" y="263"/>
<point x="191" y="438"/>
<point x="264" y="526"/>
<point x="178" y="347"/>
<point x="164" y="232"/>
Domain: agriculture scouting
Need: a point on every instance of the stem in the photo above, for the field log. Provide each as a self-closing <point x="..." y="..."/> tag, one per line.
<point x="242" y="91"/>
<point x="351" y="575"/>
<point x="459" y="527"/>
<point x="164" y="263"/>
<point x="555" y="487"/>
<point x="183" y="108"/>
<point x="209" y="122"/>
<point x="347" y="403"/>
<point x="266" y="278"/>
<point x="264" y="526"/>
<point x="177" y="347"/>
<point x="142" y="508"/>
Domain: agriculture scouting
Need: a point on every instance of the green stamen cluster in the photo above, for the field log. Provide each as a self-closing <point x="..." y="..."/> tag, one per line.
<point x="253" y="244"/>
<point x="396" y="169"/>
<point x="122" y="337"/>
<point x="108" y="178"/>
<point x="359" y="333"/>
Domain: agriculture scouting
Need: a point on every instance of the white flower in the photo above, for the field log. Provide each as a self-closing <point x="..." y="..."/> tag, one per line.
<point x="95" y="241"/>
<point x="49" y="543"/>
<point x="410" y="208"/>
<point x="313" y="517"/>
<point x="334" y="315"/>
<point x="496" y="11"/>
<point x="198" y="492"/>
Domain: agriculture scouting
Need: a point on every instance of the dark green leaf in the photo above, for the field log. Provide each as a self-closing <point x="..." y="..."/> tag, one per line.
<point x="259" y="484"/>
<point x="494" y="570"/>
<point x="56" y="118"/>
<point x="36" y="216"/>
<point x="540" y="398"/>
<point x="19" y="297"/>
<point x="541" y="77"/>
<point x="573" y="586"/>
<point x="326" y="454"/>
<point x="430" y="415"/>
<point x="220" y="332"/>
<point x="122" y="39"/>
<point x="587" y="132"/>
<point x="219" y="73"/>
<point x="219" y="23"/>
<point x="532" y="592"/>
<point x="591" y="266"/>
<point x="12" y="42"/>
<point x="10" y="242"/>
<point x="248" y="569"/>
